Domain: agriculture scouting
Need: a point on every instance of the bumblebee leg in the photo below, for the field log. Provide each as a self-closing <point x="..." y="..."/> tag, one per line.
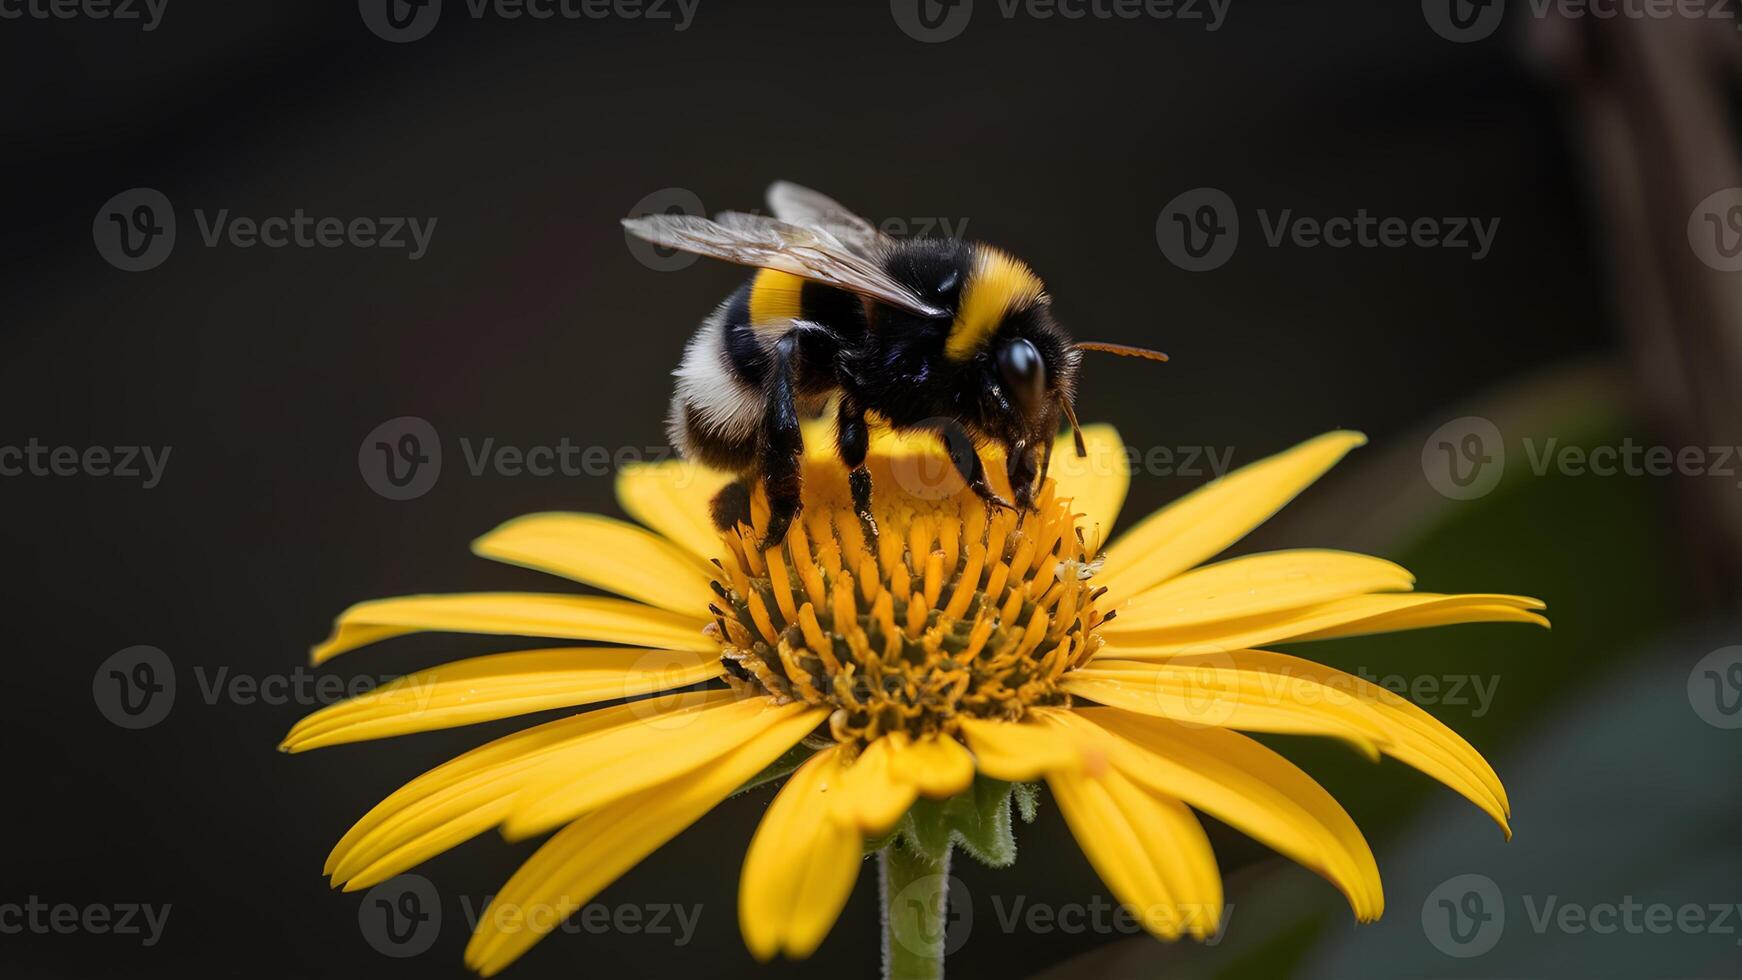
<point x="781" y="445"/>
<point x="1022" y="468"/>
<point x="1045" y="461"/>
<point x="967" y="460"/>
<point x="731" y="506"/>
<point x="853" y="441"/>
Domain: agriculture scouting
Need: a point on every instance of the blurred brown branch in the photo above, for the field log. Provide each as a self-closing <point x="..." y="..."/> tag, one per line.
<point x="1652" y="105"/>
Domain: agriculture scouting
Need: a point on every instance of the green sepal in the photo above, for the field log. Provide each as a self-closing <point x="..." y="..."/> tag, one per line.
<point x="1027" y="800"/>
<point x="783" y="766"/>
<point x="874" y="844"/>
<point x="978" y="819"/>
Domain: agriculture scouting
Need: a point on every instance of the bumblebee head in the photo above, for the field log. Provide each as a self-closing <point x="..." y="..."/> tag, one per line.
<point x="1015" y="361"/>
<point x="994" y="361"/>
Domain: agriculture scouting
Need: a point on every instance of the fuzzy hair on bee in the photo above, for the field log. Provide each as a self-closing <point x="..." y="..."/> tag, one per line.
<point x="934" y="335"/>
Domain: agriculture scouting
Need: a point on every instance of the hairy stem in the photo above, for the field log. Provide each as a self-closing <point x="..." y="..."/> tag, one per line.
<point x="915" y="893"/>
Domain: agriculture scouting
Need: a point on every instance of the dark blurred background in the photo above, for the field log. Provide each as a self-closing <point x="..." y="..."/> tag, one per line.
<point x="1598" y="151"/>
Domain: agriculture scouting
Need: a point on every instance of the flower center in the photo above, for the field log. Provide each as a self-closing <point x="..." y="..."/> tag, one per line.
<point x="952" y="610"/>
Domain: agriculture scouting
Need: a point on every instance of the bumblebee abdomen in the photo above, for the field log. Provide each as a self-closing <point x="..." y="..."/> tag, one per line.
<point x="717" y="403"/>
<point x="719" y="400"/>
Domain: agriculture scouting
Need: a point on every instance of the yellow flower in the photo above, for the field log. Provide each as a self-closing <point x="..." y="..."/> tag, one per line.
<point x="957" y="642"/>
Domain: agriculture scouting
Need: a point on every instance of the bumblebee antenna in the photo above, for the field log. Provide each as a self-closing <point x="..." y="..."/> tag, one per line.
<point x="1123" y="350"/>
<point x="1076" y="430"/>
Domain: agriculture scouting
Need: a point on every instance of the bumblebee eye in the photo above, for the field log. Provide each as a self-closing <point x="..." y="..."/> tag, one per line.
<point x="1024" y="374"/>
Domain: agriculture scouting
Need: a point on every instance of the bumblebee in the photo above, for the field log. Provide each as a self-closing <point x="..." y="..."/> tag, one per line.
<point x="929" y="334"/>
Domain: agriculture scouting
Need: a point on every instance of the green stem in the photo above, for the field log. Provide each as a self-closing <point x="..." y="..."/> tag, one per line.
<point x="914" y="895"/>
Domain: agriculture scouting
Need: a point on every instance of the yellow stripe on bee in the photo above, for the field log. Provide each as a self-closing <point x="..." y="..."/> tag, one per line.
<point x="775" y="297"/>
<point x="996" y="286"/>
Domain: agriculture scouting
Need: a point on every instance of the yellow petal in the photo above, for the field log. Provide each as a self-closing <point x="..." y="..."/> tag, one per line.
<point x="565" y="617"/>
<point x="1204" y="522"/>
<point x="592" y="852"/>
<point x="469" y="794"/>
<point x="801" y="864"/>
<point x="869" y="797"/>
<point x="1350" y="616"/>
<point x="605" y="553"/>
<point x="1148" y="849"/>
<point x="938" y="766"/>
<point x="1245" y="785"/>
<point x="1300" y="690"/>
<point x="1023" y="751"/>
<point x="1217" y="690"/>
<point x="672" y="498"/>
<point x="1447" y="611"/>
<point x="1257" y="585"/>
<point x="625" y="760"/>
<point x="501" y="686"/>
<point x="1095" y="484"/>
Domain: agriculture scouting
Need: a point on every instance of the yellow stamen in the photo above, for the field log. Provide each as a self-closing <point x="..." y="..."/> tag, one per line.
<point x="953" y="611"/>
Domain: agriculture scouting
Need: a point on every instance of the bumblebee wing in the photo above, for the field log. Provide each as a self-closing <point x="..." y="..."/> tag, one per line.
<point x="769" y="243"/>
<point x="799" y="205"/>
